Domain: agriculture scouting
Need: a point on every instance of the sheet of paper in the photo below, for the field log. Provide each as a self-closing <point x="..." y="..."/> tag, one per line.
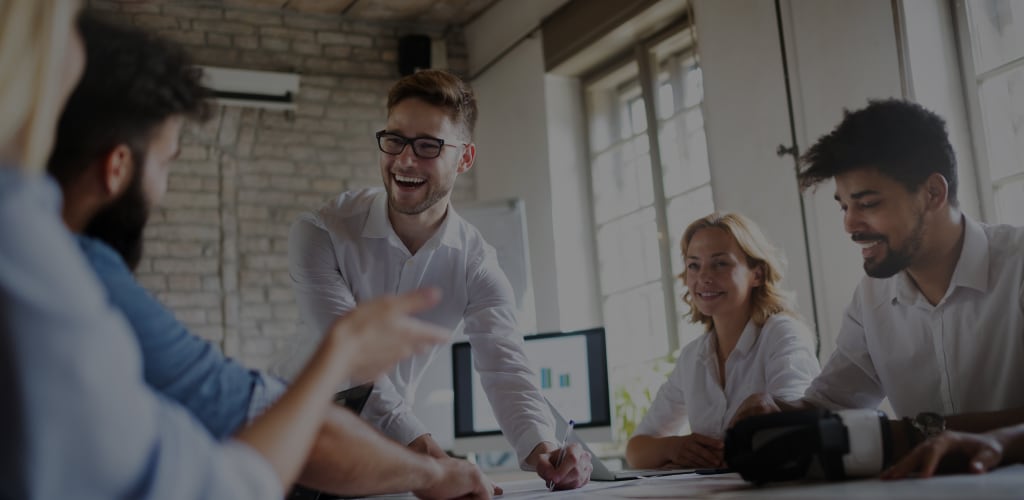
<point x="535" y="489"/>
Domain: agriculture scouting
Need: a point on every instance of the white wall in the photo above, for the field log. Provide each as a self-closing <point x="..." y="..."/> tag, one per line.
<point x="936" y="83"/>
<point x="736" y="40"/>
<point x="579" y="295"/>
<point x="512" y="160"/>
<point x="841" y="54"/>
<point x="501" y="25"/>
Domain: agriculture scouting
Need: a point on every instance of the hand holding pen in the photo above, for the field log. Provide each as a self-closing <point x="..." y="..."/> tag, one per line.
<point x="561" y="451"/>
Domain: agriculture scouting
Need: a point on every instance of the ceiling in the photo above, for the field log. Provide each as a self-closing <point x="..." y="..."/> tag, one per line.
<point x="417" y="11"/>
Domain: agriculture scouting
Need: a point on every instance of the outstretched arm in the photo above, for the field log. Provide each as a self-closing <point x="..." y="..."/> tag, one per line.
<point x="363" y="344"/>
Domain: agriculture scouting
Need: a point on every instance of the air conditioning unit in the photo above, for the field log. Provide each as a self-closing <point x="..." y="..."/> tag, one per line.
<point x="252" y="89"/>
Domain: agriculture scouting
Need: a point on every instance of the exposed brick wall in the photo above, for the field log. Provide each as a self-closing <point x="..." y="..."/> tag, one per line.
<point x="216" y="249"/>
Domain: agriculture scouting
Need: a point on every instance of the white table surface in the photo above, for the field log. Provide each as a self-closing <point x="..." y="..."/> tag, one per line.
<point x="1007" y="482"/>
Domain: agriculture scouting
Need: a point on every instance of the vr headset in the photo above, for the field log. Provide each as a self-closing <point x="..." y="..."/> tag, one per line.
<point x="809" y="444"/>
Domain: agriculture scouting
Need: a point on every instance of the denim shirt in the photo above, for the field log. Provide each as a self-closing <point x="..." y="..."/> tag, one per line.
<point x="84" y="423"/>
<point x="221" y="393"/>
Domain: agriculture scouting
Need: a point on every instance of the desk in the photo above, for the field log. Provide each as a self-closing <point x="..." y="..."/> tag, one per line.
<point x="1007" y="482"/>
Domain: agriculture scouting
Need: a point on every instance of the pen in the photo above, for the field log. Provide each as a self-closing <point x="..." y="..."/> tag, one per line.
<point x="561" y="453"/>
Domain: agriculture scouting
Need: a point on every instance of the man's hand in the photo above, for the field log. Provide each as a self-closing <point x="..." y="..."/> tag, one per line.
<point x="955" y="451"/>
<point x="697" y="450"/>
<point x="755" y="404"/>
<point x="377" y="334"/>
<point x="571" y="472"/>
<point x="458" y="479"/>
<point x="426" y="445"/>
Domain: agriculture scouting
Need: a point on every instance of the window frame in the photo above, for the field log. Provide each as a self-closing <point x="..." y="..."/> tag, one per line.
<point x="644" y="56"/>
<point x="972" y="82"/>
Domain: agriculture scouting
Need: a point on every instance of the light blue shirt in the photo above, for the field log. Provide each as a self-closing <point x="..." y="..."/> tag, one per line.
<point x="221" y="393"/>
<point x="81" y="421"/>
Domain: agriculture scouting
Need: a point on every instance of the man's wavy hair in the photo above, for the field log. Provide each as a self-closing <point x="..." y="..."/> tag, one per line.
<point x="442" y="89"/>
<point x="902" y="139"/>
<point x="133" y="82"/>
<point x="766" y="300"/>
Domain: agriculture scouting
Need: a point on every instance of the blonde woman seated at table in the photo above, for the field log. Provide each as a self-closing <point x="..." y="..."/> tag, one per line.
<point x="754" y="342"/>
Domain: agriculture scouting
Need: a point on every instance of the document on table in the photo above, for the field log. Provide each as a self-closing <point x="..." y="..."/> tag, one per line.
<point x="535" y="488"/>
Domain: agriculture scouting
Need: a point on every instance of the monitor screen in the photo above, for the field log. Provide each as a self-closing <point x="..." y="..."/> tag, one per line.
<point x="571" y="371"/>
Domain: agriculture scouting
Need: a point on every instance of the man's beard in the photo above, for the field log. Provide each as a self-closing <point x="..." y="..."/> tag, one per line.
<point x="122" y="223"/>
<point x="433" y="196"/>
<point x="897" y="259"/>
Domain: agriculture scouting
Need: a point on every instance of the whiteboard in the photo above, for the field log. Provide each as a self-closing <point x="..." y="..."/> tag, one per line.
<point x="503" y="226"/>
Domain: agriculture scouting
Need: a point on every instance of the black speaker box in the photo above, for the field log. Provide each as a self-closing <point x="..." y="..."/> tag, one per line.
<point x="413" y="53"/>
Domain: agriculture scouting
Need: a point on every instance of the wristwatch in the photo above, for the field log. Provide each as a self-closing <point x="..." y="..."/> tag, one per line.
<point x="928" y="425"/>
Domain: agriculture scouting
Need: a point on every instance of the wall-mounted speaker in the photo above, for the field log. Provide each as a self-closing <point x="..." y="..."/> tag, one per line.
<point x="413" y="53"/>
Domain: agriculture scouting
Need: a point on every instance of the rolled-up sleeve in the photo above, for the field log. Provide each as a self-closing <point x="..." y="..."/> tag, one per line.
<point x="265" y="392"/>
<point x="501" y="362"/>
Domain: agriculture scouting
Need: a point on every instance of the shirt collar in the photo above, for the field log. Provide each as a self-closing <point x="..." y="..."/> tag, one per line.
<point x="971" y="269"/>
<point x="95" y="247"/>
<point x="747" y="339"/>
<point x="378" y="225"/>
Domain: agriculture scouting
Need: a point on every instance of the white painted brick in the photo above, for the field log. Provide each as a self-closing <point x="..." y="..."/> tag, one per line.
<point x="287" y="33"/>
<point x="257" y="347"/>
<point x="191" y="315"/>
<point x="281" y="296"/>
<point x="153" y="282"/>
<point x="255" y="278"/>
<point x="274" y="43"/>
<point x="155" y="21"/>
<point x="232" y="28"/>
<point x="192" y="12"/>
<point x="211" y="283"/>
<point x="248" y="17"/>
<point x="268" y="262"/>
<point x="213" y="334"/>
<point x="189" y="299"/>
<point x="285" y="312"/>
<point x="178" y="266"/>
<point x="246" y="42"/>
<point x="184" y="283"/>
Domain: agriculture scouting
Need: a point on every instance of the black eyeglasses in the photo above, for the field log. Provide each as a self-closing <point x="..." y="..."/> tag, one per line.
<point x="423" y="147"/>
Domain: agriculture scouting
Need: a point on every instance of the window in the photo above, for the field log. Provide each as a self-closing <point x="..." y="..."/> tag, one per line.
<point x="650" y="178"/>
<point x="994" y="63"/>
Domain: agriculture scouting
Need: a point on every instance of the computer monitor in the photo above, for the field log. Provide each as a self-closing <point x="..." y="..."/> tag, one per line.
<point x="572" y="373"/>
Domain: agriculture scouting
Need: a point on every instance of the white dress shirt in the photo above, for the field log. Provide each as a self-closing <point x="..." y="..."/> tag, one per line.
<point x="347" y="252"/>
<point x="964" y="354"/>
<point x="777" y="358"/>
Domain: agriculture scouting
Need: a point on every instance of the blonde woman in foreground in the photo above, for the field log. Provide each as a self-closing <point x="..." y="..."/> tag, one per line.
<point x="754" y="342"/>
<point x="79" y="420"/>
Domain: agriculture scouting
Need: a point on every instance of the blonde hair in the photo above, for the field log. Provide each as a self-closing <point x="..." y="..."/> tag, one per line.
<point x="767" y="299"/>
<point x="33" y="38"/>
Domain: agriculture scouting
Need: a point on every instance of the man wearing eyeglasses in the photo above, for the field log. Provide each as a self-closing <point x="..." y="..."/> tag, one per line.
<point x="372" y="242"/>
